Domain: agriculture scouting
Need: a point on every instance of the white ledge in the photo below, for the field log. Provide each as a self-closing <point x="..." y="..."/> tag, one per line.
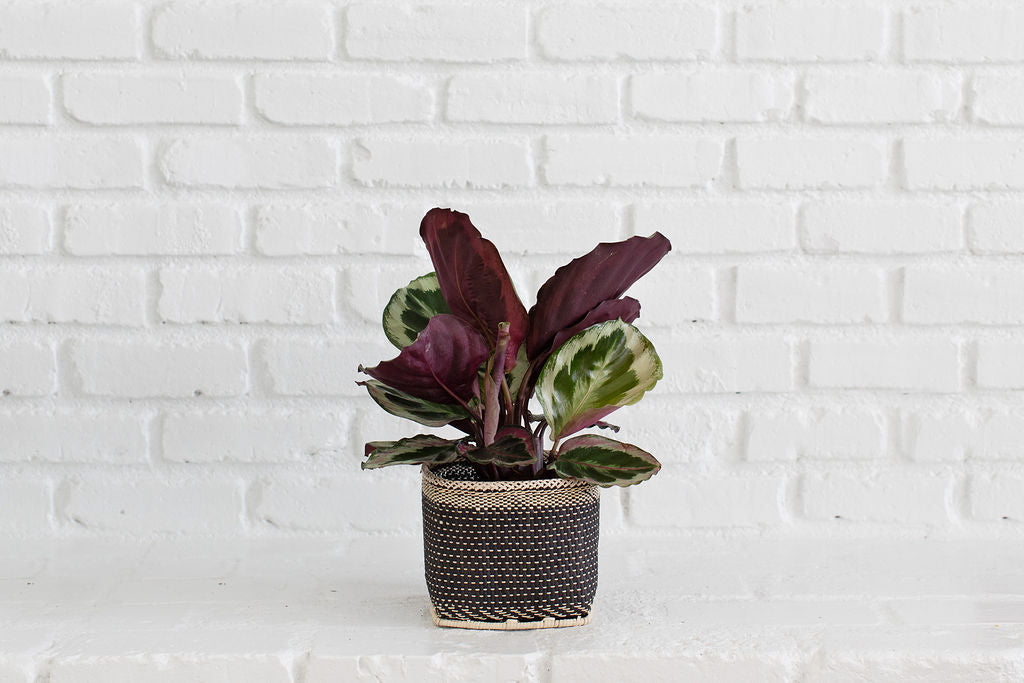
<point x="309" y="610"/>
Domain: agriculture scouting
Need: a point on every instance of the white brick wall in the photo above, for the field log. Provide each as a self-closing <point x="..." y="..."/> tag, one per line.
<point x="204" y="206"/>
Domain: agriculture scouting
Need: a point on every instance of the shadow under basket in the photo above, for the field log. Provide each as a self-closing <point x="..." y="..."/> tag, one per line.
<point x="510" y="554"/>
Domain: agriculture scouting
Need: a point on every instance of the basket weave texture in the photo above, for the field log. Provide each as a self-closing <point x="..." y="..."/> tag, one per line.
<point x="510" y="554"/>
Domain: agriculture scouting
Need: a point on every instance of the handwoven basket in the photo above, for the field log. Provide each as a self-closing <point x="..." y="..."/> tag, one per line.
<point x="510" y="554"/>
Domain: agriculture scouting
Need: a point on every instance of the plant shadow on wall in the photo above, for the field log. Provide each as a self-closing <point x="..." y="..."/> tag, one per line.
<point x="510" y="528"/>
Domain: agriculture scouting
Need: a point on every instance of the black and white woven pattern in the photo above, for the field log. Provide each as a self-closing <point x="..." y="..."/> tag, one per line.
<point x="510" y="554"/>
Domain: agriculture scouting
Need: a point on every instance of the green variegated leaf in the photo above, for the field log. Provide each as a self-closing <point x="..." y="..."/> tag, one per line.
<point x="604" y="367"/>
<point x="513" y="447"/>
<point x="415" y="450"/>
<point x="604" y="461"/>
<point x="411" y="408"/>
<point x="411" y="308"/>
<point x="517" y="375"/>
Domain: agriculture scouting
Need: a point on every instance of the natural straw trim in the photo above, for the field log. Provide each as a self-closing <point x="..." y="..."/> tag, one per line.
<point x="508" y="625"/>
<point x="504" y="486"/>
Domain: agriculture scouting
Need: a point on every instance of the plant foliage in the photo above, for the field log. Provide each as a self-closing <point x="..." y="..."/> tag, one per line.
<point x="472" y="356"/>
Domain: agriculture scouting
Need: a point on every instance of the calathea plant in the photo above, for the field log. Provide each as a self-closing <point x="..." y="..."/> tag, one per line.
<point x="472" y="357"/>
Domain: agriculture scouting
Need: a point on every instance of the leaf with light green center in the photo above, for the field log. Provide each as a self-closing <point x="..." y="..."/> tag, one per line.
<point x="604" y="367"/>
<point x="419" y="410"/>
<point x="605" y="462"/>
<point x="415" y="450"/>
<point x="411" y="308"/>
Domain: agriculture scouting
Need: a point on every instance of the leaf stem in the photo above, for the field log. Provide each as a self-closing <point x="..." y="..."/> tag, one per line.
<point x="492" y="385"/>
<point x="538" y="437"/>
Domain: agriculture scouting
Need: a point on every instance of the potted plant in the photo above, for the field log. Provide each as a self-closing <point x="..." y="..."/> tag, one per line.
<point x="510" y="526"/>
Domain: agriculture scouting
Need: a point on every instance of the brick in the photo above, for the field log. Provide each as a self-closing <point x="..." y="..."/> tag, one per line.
<point x="958" y="163"/>
<point x="325" y="229"/>
<point x="814" y="434"/>
<point x="694" y="295"/>
<point x="906" y="497"/>
<point x="726" y="227"/>
<point x="637" y="160"/>
<point x="27" y="369"/>
<point x="712" y="95"/>
<point x="996" y="227"/>
<point x="1000" y="364"/>
<point x="73" y="163"/>
<point x="25" y="505"/>
<point x="73" y="437"/>
<point x="153" y="98"/>
<point x="896" y="97"/>
<point x="254" y="436"/>
<point x="271" y="163"/>
<point x="810" y="163"/>
<point x="963" y="433"/>
<point x="140" y="368"/>
<point x="311" y="502"/>
<point x="367" y="288"/>
<point x="982" y="33"/>
<point x="903" y="363"/>
<point x="196" y="663"/>
<point x="998" y="99"/>
<point x="24" y="229"/>
<point x="665" y="32"/>
<point x="148" y="229"/>
<point x="147" y="503"/>
<point x="371" y="423"/>
<point x="809" y="33"/>
<point x="340" y="99"/>
<point x="468" y="163"/>
<point x="675" y="430"/>
<point x="881" y="227"/>
<point x="533" y="97"/>
<point x="114" y="295"/>
<point x="296" y="296"/>
<point x="461" y="33"/>
<point x="996" y="497"/>
<point x="722" y="365"/>
<point x="282" y="31"/>
<point x="26" y="99"/>
<point x="708" y="501"/>
<point x="68" y="30"/>
<point x="810" y="294"/>
<point x="298" y="367"/>
<point x="963" y="294"/>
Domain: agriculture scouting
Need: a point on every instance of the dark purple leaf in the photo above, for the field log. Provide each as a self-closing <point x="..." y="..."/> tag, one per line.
<point x="581" y="285"/>
<point x="626" y="309"/>
<point x="473" y="278"/>
<point x="513" y="447"/>
<point x="440" y="366"/>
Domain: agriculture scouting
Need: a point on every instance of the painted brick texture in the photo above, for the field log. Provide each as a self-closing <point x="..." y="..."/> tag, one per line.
<point x="205" y="205"/>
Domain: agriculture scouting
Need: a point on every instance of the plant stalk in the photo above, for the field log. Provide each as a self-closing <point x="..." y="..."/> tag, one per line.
<point x="493" y="385"/>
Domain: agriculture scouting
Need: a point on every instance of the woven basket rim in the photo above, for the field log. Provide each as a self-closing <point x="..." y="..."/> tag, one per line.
<point x="509" y="486"/>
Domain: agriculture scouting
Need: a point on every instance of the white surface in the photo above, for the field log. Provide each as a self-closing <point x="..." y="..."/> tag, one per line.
<point x="204" y="207"/>
<point x="668" y="609"/>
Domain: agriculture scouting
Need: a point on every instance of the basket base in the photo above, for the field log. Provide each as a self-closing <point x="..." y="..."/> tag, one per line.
<point x="509" y="625"/>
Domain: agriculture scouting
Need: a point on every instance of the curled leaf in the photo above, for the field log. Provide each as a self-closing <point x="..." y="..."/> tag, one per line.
<point x="473" y="278"/>
<point x="605" y="462"/>
<point x="411" y="308"/>
<point x="513" y="447"/>
<point x="440" y="366"/>
<point x="415" y="450"/>
<point x="418" y="410"/>
<point x="582" y="284"/>
<point x="604" y="367"/>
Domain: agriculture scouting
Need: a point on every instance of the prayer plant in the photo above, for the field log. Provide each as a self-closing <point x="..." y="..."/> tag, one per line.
<point x="472" y="357"/>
